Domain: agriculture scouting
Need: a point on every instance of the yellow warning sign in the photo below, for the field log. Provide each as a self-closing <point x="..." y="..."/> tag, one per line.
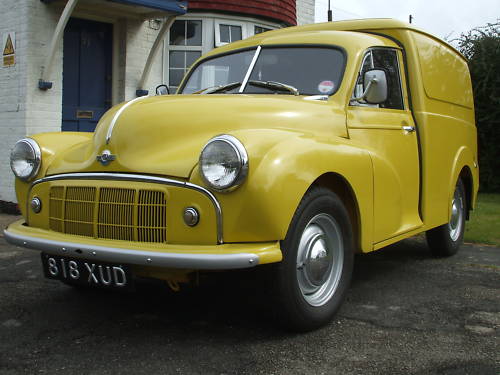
<point x="9" y="60"/>
<point x="9" y="49"/>
<point x="9" y="46"/>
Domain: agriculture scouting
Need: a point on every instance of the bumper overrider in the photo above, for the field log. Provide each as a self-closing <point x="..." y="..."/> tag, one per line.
<point x="218" y="256"/>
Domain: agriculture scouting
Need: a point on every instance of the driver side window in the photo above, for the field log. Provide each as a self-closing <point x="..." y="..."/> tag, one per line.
<point x="385" y="59"/>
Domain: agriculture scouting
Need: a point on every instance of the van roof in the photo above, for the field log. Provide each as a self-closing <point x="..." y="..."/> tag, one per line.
<point x="365" y="25"/>
<point x="342" y="29"/>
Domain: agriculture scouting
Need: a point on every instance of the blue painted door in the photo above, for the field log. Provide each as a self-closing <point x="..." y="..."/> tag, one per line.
<point x="86" y="73"/>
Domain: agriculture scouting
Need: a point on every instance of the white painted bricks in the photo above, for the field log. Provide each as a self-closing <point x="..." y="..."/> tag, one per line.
<point x="305" y="11"/>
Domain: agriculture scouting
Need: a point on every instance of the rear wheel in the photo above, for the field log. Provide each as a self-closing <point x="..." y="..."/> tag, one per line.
<point x="446" y="239"/>
<point x="318" y="259"/>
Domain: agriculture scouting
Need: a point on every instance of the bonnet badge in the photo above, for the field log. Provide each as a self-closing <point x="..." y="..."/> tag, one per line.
<point x="106" y="157"/>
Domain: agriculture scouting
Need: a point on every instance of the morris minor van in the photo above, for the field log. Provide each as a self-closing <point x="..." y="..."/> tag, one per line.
<point x="294" y="149"/>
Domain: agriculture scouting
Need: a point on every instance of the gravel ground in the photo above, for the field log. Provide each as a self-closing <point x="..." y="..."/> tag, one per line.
<point x="406" y="313"/>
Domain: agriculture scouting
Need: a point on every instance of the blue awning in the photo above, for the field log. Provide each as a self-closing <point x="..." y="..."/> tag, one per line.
<point x="177" y="7"/>
<point x="174" y="6"/>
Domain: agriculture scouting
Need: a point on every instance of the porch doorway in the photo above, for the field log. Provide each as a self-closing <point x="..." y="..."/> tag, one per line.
<point x="87" y="73"/>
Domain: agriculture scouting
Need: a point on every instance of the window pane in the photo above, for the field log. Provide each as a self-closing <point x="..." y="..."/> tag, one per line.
<point x="175" y="76"/>
<point x="235" y="33"/>
<point x="194" y="33"/>
<point x="313" y="71"/>
<point x="191" y="57"/>
<point x="387" y="59"/>
<point x="176" y="59"/>
<point x="177" y="33"/>
<point x="219" y="71"/>
<point x="260" y="29"/>
<point x="224" y="34"/>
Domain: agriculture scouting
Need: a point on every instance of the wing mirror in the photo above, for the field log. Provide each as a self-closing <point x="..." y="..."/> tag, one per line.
<point x="374" y="87"/>
<point x="162" y="90"/>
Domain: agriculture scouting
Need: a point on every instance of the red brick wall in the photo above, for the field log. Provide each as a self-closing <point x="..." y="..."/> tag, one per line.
<point x="278" y="10"/>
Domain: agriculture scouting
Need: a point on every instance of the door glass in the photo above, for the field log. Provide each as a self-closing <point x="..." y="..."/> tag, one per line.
<point x="385" y="59"/>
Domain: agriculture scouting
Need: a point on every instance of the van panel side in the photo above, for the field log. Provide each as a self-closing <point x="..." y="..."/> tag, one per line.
<point x="445" y="116"/>
<point x="444" y="73"/>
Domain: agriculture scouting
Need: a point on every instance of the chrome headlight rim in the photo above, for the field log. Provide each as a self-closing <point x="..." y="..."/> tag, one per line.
<point x="243" y="162"/>
<point x="37" y="153"/>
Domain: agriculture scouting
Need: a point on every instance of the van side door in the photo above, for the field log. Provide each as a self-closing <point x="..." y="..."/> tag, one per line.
<point x="388" y="132"/>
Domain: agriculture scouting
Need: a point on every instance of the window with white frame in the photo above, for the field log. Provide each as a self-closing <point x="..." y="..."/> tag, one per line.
<point x="185" y="47"/>
<point x="228" y="32"/>
<point x="190" y="37"/>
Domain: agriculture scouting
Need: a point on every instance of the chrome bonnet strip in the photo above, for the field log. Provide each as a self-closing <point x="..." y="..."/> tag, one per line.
<point x="118" y="114"/>
<point x="139" y="178"/>
<point x="138" y="257"/>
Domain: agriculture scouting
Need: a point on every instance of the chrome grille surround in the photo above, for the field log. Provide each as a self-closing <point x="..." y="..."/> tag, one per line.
<point x="57" y="205"/>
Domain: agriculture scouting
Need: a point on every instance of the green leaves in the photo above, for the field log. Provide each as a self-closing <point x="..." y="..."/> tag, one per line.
<point x="481" y="47"/>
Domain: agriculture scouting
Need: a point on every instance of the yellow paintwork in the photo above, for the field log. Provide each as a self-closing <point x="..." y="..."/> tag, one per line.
<point x="402" y="183"/>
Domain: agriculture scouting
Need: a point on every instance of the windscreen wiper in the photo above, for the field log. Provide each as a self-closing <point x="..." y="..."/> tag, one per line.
<point x="275" y="85"/>
<point x="216" y="89"/>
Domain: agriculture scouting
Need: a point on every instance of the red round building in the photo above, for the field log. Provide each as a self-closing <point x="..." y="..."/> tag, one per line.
<point x="277" y="10"/>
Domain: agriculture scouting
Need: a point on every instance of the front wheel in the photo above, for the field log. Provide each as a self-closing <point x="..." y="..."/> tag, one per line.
<point x="318" y="259"/>
<point x="446" y="239"/>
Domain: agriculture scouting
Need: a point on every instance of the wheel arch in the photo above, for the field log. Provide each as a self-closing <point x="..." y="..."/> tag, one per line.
<point x="467" y="179"/>
<point x="279" y="180"/>
<point x="340" y="186"/>
<point x="464" y="169"/>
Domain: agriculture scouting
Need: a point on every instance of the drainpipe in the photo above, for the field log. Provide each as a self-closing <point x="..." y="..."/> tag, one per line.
<point x="43" y="83"/>
<point x="141" y="91"/>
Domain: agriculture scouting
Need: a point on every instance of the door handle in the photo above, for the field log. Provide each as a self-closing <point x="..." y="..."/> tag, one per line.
<point x="408" y="128"/>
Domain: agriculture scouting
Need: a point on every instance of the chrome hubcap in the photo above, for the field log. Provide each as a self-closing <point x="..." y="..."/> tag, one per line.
<point x="457" y="212"/>
<point x="319" y="259"/>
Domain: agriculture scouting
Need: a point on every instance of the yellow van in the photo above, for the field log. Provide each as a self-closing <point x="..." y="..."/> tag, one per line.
<point x="297" y="147"/>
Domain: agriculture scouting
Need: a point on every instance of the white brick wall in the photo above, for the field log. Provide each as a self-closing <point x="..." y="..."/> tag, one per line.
<point x="44" y="108"/>
<point x="24" y="109"/>
<point x="139" y="40"/>
<point x="305" y="12"/>
<point x="12" y="91"/>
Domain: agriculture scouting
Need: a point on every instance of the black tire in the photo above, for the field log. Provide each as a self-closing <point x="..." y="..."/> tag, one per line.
<point x="309" y="293"/>
<point x="445" y="240"/>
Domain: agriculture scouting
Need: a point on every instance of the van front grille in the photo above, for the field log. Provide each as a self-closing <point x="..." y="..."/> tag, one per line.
<point x="112" y="213"/>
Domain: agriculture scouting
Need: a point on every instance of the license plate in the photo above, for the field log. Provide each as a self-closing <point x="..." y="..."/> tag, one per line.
<point x="85" y="272"/>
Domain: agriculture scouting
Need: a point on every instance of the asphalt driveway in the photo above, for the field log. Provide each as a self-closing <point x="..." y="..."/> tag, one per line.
<point x="406" y="313"/>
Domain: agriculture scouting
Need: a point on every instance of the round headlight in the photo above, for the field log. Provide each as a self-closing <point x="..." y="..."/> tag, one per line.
<point x="25" y="159"/>
<point x="224" y="163"/>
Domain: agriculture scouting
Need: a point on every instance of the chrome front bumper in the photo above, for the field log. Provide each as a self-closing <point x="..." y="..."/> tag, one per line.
<point x="215" y="257"/>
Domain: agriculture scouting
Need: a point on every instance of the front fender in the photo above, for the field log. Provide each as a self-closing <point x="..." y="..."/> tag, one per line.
<point x="51" y="144"/>
<point x="263" y="207"/>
